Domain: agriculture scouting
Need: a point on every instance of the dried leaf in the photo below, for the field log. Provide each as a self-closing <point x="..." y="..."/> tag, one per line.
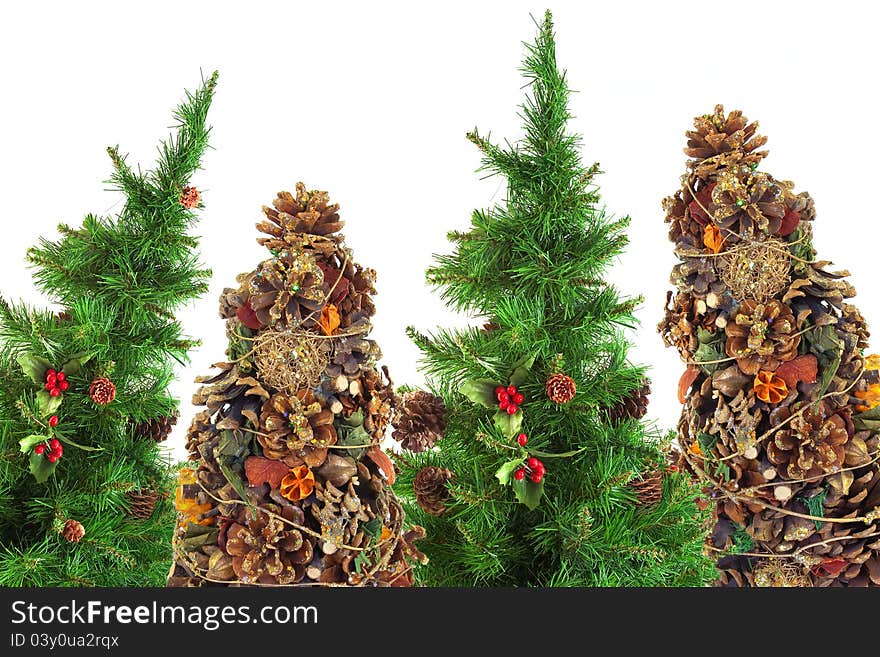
<point x="789" y="223"/>
<point x="260" y="470"/>
<point x="802" y="369"/>
<point x="686" y="381"/>
<point x="381" y="459"/>
<point x="329" y="320"/>
<point x="248" y="317"/>
<point x="829" y="567"/>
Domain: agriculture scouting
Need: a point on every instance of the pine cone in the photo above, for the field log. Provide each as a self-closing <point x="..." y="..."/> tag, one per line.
<point x="430" y="489"/>
<point x="809" y="445"/>
<point x="761" y="336"/>
<point x="157" y="428"/>
<point x="420" y="421"/>
<point x="73" y="531"/>
<point x="102" y="391"/>
<point x="648" y="488"/>
<point x="633" y="406"/>
<point x="309" y="213"/>
<point x="296" y="429"/>
<point x="141" y="503"/>
<point x="561" y="388"/>
<point x="265" y="549"/>
<point x="233" y="397"/>
<point x="287" y="290"/>
<point x="747" y="204"/>
<point x="189" y="197"/>
<point x="351" y="357"/>
<point x="697" y="276"/>
<point x="718" y="140"/>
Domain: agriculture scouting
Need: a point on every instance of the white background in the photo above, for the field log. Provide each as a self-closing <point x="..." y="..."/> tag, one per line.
<point x="371" y="101"/>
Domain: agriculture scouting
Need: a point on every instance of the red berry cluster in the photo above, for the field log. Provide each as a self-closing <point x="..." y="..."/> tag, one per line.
<point x="52" y="449"/>
<point x="534" y="466"/>
<point x="509" y="399"/>
<point x="56" y="382"/>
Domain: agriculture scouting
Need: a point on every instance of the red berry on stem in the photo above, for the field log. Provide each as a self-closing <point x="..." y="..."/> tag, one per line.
<point x="53" y="421"/>
<point x="511" y="390"/>
<point x="54" y="392"/>
<point x="54" y="444"/>
<point x="64" y="385"/>
<point x="504" y="404"/>
<point x="61" y="376"/>
<point x="522" y="439"/>
<point x="540" y="469"/>
<point x="51" y="373"/>
<point x="519" y="398"/>
<point x="520" y="474"/>
<point x="49" y="385"/>
<point x="532" y="463"/>
<point x="51" y="379"/>
<point x="502" y="396"/>
<point x="53" y="458"/>
<point x="59" y="452"/>
<point x="39" y="449"/>
<point x="500" y="389"/>
<point x="512" y="409"/>
<point x="537" y="477"/>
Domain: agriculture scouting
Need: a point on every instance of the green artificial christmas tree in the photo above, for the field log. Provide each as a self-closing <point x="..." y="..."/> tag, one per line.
<point x="539" y="470"/>
<point x="84" y="399"/>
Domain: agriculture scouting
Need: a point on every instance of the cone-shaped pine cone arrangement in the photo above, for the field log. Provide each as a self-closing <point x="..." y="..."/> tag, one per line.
<point x="420" y="421"/>
<point x="781" y="410"/>
<point x="292" y="487"/>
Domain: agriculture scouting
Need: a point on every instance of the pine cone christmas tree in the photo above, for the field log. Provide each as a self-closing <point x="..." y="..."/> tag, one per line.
<point x="429" y="486"/>
<point x="293" y="423"/>
<point x="772" y="425"/>
<point x="420" y="421"/>
<point x="632" y="407"/>
<point x="156" y="429"/>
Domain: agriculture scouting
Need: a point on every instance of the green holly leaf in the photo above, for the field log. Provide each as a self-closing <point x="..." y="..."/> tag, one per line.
<point x="480" y="391"/>
<point x="41" y="468"/>
<point x="232" y="443"/>
<point x="521" y="371"/>
<point x="508" y="425"/>
<point x="868" y="421"/>
<point x="528" y="493"/>
<point x="47" y="404"/>
<point x="27" y="444"/>
<point x="74" y="364"/>
<point x="505" y="472"/>
<point x="34" y="367"/>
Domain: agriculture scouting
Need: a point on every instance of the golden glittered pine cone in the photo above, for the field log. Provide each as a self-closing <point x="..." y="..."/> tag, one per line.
<point x="430" y="488"/>
<point x="561" y="388"/>
<point x="287" y="290"/>
<point x="296" y="429"/>
<point x="761" y="336"/>
<point x="420" y="421"/>
<point x="747" y="204"/>
<point x="266" y="549"/>
<point x="719" y="140"/>
<point x="102" y="391"/>
<point x="73" y="531"/>
<point x="309" y="212"/>
<point x="810" y="441"/>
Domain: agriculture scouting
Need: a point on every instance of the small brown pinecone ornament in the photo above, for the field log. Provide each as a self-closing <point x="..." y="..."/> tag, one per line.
<point x="648" y="488"/>
<point x="141" y="503"/>
<point x="157" y="428"/>
<point x="430" y="489"/>
<point x="631" y="407"/>
<point x="73" y="531"/>
<point x="561" y="388"/>
<point x="189" y="197"/>
<point x="102" y="391"/>
<point x="420" y="421"/>
<point x="63" y="316"/>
